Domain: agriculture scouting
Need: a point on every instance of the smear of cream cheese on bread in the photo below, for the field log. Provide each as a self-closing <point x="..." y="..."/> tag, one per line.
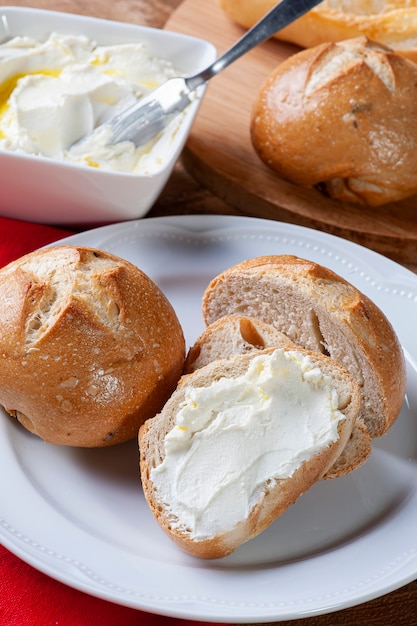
<point x="234" y="436"/>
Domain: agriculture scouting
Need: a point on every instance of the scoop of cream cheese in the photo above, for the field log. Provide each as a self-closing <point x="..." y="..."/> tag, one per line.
<point x="233" y="436"/>
<point x="52" y="93"/>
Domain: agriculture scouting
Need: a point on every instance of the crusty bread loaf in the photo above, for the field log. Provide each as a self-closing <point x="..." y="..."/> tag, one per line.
<point x="194" y="517"/>
<point x="341" y="117"/>
<point x="90" y="346"/>
<point x="392" y="22"/>
<point x="232" y="335"/>
<point x="320" y="311"/>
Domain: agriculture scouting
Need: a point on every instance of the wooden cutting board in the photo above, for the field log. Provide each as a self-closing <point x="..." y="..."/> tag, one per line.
<point x="220" y="156"/>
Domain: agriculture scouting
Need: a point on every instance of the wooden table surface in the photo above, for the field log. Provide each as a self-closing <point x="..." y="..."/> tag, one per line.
<point x="182" y="195"/>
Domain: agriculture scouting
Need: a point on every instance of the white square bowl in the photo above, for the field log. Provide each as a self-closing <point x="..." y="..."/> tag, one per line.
<point x="44" y="190"/>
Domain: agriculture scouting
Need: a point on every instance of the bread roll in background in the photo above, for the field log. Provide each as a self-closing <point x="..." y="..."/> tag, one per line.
<point x="342" y="117"/>
<point x="320" y="311"/>
<point x="390" y="22"/>
<point x="90" y="346"/>
<point x="239" y="441"/>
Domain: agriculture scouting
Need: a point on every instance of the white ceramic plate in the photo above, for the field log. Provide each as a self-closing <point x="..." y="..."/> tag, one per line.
<point x="80" y="516"/>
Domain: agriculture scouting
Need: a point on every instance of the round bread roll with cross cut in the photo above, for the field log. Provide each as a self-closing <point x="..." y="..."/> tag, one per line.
<point x="90" y="346"/>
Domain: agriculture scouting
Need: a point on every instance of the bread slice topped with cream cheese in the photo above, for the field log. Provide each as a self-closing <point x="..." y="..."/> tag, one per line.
<point x="288" y="411"/>
<point x="320" y="311"/>
<point x="238" y="334"/>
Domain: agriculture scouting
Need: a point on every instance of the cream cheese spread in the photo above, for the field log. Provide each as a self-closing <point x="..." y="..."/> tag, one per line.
<point x="235" y="435"/>
<point x="56" y="91"/>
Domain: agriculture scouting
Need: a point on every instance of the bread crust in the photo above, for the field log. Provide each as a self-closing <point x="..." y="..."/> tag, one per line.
<point x="341" y="117"/>
<point x="393" y="24"/>
<point x="321" y="311"/>
<point x="232" y="335"/>
<point x="278" y="495"/>
<point x="90" y="346"/>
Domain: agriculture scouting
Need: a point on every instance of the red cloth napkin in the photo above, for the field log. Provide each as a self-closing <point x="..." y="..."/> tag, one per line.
<point x="28" y="597"/>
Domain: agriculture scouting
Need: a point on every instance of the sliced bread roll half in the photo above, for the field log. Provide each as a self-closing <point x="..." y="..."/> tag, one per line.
<point x="320" y="311"/>
<point x="232" y="335"/>
<point x="240" y="440"/>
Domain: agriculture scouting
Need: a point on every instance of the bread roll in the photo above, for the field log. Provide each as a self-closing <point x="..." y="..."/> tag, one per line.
<point x="239" y="441"/>
<point x="390" y="22"/>
<point x="341" y="117"/>
<point x="320" y="311"/>
<point x="232" y="335"/>
<point x="90" y="346"/>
